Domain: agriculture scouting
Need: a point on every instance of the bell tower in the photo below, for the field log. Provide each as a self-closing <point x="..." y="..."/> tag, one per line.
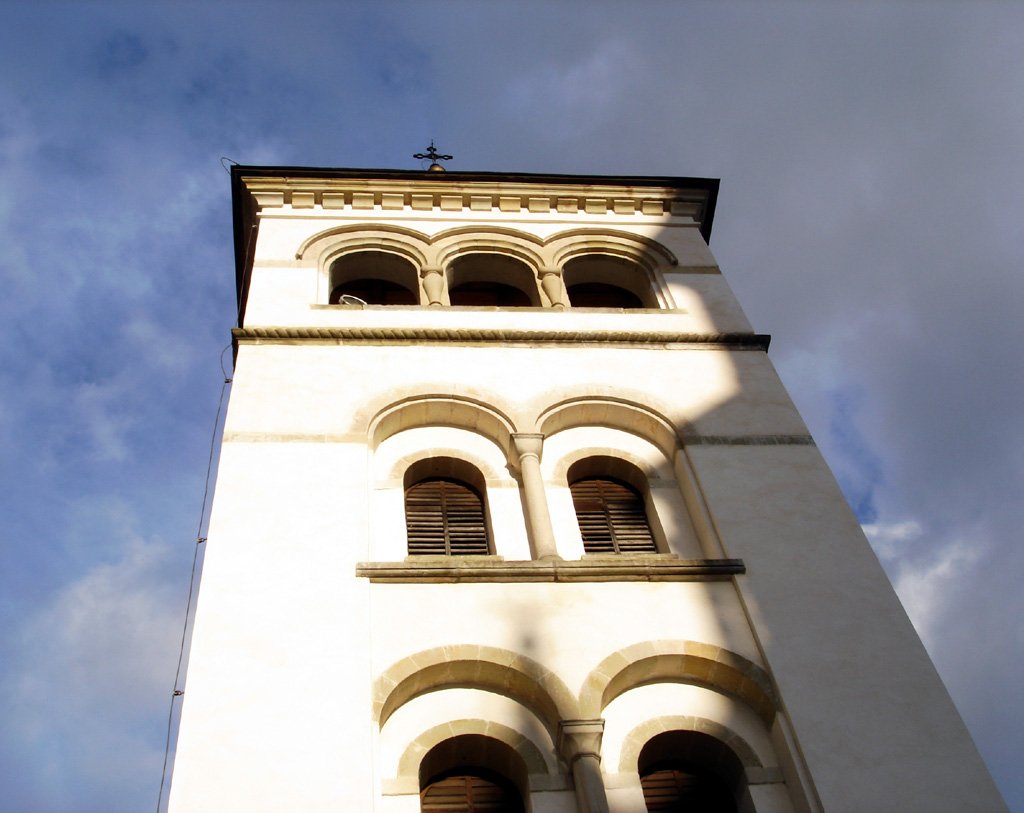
<point x="514" y="514"/>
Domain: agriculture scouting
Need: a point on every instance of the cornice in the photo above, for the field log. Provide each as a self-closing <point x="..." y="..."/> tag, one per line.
<point x="348" y="334"/>
<point x="366" y="194"/>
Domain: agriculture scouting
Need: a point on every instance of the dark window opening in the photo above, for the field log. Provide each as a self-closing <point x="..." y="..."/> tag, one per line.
<point x="470" y="791"/>
<point x="612" y="517"/>
<point x="375" y="292"/>
<point x="492" y="294"/>
<point x="602" y="295"/>
<point x="687" y="789"/>
<point x="691" y="771"/>
<point x="604" y="281"/>
<point x="445" y="517"/>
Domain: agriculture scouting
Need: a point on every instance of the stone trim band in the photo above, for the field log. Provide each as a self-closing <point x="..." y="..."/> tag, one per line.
<point x="620" y="568"/>
<point x="732" y="341"/>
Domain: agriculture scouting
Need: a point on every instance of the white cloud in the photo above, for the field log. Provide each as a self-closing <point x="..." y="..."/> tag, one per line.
<point x="100" y="406"/>
<point x="90" y="667"/>
<point x="927" y="588"/>
<point x="167" y="350"/>
<point x="579" y="91"/>
<point x="888" y="538"/>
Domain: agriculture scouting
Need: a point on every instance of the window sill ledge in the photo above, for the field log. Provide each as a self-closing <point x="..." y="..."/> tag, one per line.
<point x="611" y="568"/>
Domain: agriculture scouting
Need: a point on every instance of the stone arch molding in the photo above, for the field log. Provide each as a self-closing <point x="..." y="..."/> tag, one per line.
<point x="486" y="414"/>
<point x="426" y="251"/>
<point x="453" y="243"/>
<point x="398" y="469"/>
<point x="409" y="762"/>
<point x="693" y="662"/>
<point x="634" y="741"/>
<point x="468" y="666"/>
<point x="651" y="475"/>
<point x="439" y="249"/>
<point x="614" y="411"/>
<point x="644" y="251"/>
<point x="326" y="246"/>
<point x="476" y="414"/>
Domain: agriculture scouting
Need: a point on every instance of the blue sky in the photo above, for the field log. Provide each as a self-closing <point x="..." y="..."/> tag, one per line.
<point x="869" y="219"/>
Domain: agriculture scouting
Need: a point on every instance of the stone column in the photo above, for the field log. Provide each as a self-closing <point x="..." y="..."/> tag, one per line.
<point x="551" y="282"/>
<point x="528" y="449"/>
<point x="433" y="285"/>
<point x="579" y="741"/>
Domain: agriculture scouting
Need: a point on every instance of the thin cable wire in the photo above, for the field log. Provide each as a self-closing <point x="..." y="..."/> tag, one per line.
<point x="176" y="692"/>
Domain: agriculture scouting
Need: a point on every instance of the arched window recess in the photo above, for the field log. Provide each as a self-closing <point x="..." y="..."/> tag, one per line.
<point x="470" y="790"/>
<point x="607" y="281"/>
<point x="611" y="509"/>
<point x="492" y="280"/>
<point x="688" y="771"/>
<point x="473" y="773"/>
<point x="445" y="512"/>
<point x="373" y="278"/>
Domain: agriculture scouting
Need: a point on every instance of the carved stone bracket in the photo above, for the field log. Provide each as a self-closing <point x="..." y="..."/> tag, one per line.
<point x="433" y="285"/>
<point x="551" y="282"/>
<point x="578" y="738"/>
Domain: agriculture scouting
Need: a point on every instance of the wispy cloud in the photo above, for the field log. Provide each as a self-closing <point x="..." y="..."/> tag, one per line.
<point x="889" y="539"/>
<point x="87" y="670"/>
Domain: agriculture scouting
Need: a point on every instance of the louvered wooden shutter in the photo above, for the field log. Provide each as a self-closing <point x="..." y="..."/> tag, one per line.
<point x="612" y="517"/>
<point x="678" y="790"/>
<point x="444" y="517"/>
<point x="468" y="794"/>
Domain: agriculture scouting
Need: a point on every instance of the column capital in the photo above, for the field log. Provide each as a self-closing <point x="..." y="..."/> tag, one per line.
<point x="433" y="284"/>
<point x="580" y="738"/>
<point x="551" y="281"/>
<point x="527" y="444"/>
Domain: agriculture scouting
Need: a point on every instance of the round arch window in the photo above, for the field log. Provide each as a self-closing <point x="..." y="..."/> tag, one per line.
<point x="374" y="277"/>
<point x="374" y="292"/>
<point x="612" y="516"/>
<point x="605" y="281"/>
<point x="485" y="279"/>
<point x="472" y="790"/>
<point x="685" y="788"/>
<point x="602" y="295"/>
<point x="445" y="517"/>
<point x="690" y="771"/>
<point x="473" y="773"/>
<point x="492" y="294"/>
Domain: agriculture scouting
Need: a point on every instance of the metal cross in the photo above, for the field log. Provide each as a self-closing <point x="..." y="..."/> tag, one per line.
<point x="432" y="154"/>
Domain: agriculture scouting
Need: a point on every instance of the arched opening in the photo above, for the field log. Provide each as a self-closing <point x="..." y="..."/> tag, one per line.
<point x="491" y="280"/>
<point x="472" y="773"/>
<point x="611" y="511"/>
<point x="444" y="509"/>
<point x="605" y="281"/>
<point x="690" y="771"/>
<point x="374" y="277"/>
<point x="601" y="295"/>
